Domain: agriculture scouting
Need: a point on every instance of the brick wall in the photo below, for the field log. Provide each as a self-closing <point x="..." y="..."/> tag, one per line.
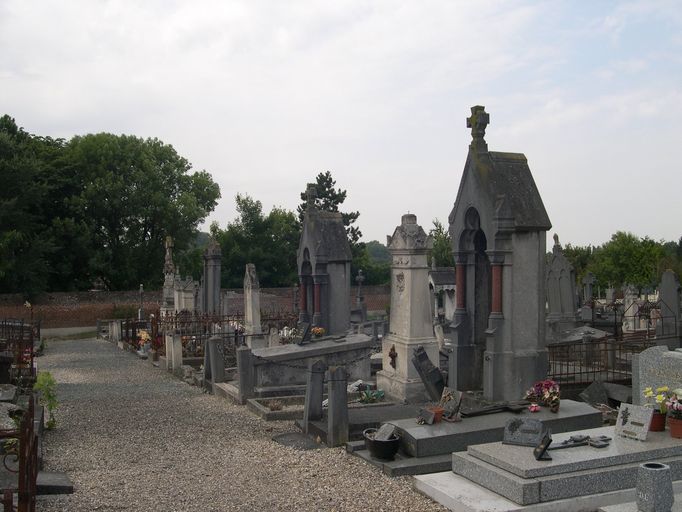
<point x="81" y="309"/>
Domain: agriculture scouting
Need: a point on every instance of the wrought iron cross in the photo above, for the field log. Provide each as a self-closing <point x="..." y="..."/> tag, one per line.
<point x="478" y="121"/>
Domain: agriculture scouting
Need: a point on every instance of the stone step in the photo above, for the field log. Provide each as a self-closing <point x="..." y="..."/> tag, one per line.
<point x="403" y="465"/>
<point x="53" y="482"/>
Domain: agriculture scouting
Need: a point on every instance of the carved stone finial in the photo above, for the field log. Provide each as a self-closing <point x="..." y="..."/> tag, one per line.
<point x="478" y="122"/>
<point x="311" y="195"/>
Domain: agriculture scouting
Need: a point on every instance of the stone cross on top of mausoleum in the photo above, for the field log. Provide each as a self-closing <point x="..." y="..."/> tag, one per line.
<point x="478" y="122"/>
<point x="311" y="195"/>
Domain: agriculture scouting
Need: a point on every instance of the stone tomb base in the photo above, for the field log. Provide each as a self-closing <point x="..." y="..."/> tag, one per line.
<point x="403" y="384"/>
<point x="513" y="473"/>
<point x="429" y="448"/>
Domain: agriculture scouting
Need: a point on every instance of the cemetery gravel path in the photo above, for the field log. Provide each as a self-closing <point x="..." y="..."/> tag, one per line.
<point x="132" y="437"/>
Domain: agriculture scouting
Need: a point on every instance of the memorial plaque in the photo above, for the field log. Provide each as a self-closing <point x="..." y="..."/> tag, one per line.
<point x="430" y="375"/>
<point x="540" y="451"/>
<point x="304" y="333"/>
<point x="385" y="432"/>
<point x="523" y="432"/>
<point x="633" y="421"/>
<point x="450" y="400"/>
<point x="427" y="416"/>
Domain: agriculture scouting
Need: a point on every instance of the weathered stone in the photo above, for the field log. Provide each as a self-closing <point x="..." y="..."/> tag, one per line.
<point x="411" y="322"/>
<point x="314" y="392"/>
<point x="669" y="304"/>
<point x="427" y="416"/>
<point x="210" y="301"/>
<point x="429" y="374"/>
<point x="498" y="226"/>
<point x="337" y="433"/>
<point x="385" y="432"/>
<point x="595" y="394"/>
<point x="655" y="367"/>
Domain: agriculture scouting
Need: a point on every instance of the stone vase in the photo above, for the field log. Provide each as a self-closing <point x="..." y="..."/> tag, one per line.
<point x="654" y="487"/>
<point x="675" y="427"/>
<point x="657" y="422"/>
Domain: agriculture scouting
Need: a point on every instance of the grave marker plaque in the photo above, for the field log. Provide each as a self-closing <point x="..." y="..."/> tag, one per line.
<point x="540" y="451"/>
<point x="523" y="432"/>
<point x="633" y="421"/>
<point x="428" y="416"/>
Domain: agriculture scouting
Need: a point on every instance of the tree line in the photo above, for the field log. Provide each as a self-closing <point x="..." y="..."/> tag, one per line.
<point x="93" y="210"/>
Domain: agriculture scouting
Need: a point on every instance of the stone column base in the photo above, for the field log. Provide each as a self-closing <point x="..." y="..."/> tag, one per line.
<point x="400" y="390"/>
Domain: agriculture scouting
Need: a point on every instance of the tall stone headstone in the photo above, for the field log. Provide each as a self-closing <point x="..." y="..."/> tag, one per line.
<point x="561" y="303"/>
<point x="669" y="304"/>
<point x="655" y="367"/>
<point x="323" y="260"/>
<point x="168" y="297"/>
<point x="411" y="324"/>
<point x="252" y="325"/>
<point x="630" y="309"/>
<point x="498" y="227"/>
<point x="210" y="300"/>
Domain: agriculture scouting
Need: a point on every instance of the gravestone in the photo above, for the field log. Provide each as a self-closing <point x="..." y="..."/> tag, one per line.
<point x="210" y="301"/>
<point x="633" y="421"/>
<point x="411" y="325"/>
<point x="429" y="374"/>
<point x="323" y="260"/>
<point x="168" y="297"/>
<point x="669" y="305"/>
<point x="595" y="394"/>
<point x="588" y="283"/>
<point x="561" y="303"/>
<point x="523" y="432"/>
<point x="498" y="228"/>
<point x="314" y="392"/>
<point x="655" y="367"/>
<point x="630" y="309"/>
<point x="337" y="416"/>
<point x="252" y="323"/>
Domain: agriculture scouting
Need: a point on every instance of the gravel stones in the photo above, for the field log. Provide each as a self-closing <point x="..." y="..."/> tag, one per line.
<point x="132" y="437"/>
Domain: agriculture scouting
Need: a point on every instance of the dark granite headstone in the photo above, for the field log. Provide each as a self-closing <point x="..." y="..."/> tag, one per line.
<point x="385" y="432"/>
<point x="540" y="451"/>
<point x="304" y="333"/>
<point x="523" y="432"/>
<point x="430" y="375"/>
<point x="595" y="394"/>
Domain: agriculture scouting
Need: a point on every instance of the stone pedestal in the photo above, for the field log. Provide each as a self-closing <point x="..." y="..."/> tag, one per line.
<point x="410" y="314"/>
<point x="403" y="382"/>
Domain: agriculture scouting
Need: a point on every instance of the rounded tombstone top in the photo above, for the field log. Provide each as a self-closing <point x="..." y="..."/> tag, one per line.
<point x="409" y="218"/>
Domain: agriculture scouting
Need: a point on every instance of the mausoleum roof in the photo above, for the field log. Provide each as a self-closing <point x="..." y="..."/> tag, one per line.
<point x="324" y="235"/>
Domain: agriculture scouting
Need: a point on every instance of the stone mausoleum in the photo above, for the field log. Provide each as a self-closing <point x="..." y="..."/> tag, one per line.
<point x="498" y="227"/>
<point x="323" y="259"/>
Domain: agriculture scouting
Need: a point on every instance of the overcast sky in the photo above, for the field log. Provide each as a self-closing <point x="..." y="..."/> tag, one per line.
<point x="265" y="95"/>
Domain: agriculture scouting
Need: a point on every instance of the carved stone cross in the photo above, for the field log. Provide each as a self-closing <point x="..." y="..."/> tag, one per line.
<point x="478" y="121"/>
<point x="311" y="194"/>
<point x="360" y="278"/>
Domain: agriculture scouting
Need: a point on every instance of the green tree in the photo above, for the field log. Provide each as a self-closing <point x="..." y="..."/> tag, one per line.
<point x="329" y="199"/>
<point x="442" y="246"/>
<point x="580" y="257"/>
<point x="627" y="259"/>
<point x="268" y="241"/>
<point x="25" y="240"/>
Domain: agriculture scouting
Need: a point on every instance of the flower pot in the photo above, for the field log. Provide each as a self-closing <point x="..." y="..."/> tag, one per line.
<point x="384" y="450"/>
<point x="657" y="422"/>
<point x="437" y="413"/>
<point x="675" y="427"/>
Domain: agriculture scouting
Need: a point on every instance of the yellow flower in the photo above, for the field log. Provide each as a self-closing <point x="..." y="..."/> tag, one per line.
<point x="662" y="389"/>
<point x="648" y="392"/>
<point x="659" y="398"/>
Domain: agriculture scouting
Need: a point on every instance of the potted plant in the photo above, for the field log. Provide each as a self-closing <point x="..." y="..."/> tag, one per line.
<point x="318" y="332"/>
<point x="657" y="400"/>
<point x="545" y="392"/>
<point x="674" y="405"/>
